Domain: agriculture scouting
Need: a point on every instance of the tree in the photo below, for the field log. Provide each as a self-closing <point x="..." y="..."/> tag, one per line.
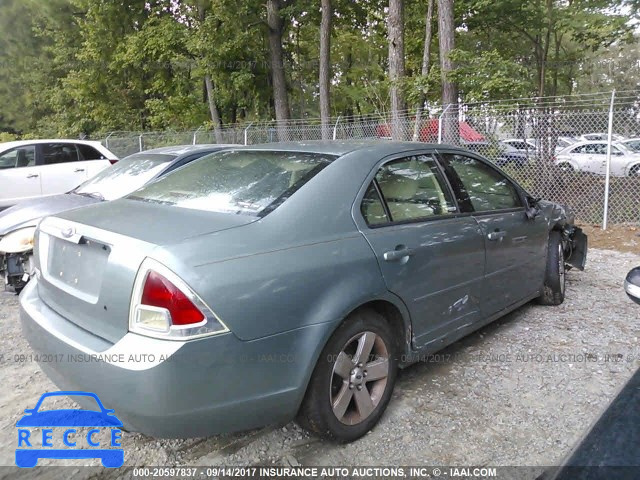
<point x="278" y="78"/>
<point x="395" y="33"/>
<point x="446" y="31"/>
<point x="426" y="66"/>
<point x="325" y="67"/>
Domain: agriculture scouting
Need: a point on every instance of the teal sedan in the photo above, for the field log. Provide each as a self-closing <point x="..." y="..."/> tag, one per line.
<point x="265" y="283"/>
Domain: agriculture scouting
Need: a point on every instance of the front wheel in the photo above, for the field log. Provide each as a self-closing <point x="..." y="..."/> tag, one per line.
<point x="635" y="171"/>
<point x="555" y="275"/>
<point x="352" y="383"/>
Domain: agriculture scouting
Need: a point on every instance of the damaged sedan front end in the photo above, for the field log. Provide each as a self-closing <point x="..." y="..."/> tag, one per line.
<point x="16" y="257"/>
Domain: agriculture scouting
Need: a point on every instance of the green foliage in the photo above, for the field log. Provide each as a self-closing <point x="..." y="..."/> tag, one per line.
<point x="72" y="66"/>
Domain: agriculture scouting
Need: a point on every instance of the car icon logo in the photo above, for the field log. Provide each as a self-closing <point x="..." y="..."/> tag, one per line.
<point x="68" y="232"/>
<point x="101" y="420"/>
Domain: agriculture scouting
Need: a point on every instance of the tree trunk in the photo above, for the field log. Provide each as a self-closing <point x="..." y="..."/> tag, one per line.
<point x="426" y="66"/>
<point x="395" y="32"/>
<point x="446" y="33"/>
<point x="278" y="79"/>
<point x="325" y="68"/>
<point x="213" y="109"/>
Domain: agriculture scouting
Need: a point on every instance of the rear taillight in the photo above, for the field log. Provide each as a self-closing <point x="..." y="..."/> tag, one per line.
<point x="161" y="293"/>
<point x="163" y="306"/>
<point x="113" y="161"/>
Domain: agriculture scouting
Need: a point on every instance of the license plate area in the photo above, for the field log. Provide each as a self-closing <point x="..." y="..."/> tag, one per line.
<point x="77" y="267"/>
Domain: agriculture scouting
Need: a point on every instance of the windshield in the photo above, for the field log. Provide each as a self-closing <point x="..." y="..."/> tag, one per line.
<point x="247" y="182"/>
<point x="124" y="177"/>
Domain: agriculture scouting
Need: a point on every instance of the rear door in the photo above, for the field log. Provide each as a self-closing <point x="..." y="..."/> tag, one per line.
<point x="61" y="168"/>
<point x="430" y="257"/>
<point x="515" y="245"/>
<point x="91" y="159"/>
<point x="19" y="175"/>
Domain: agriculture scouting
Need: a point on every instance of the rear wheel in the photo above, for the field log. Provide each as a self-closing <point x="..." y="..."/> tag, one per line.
<point x="555" y="275"/>
<point x="352" y="383"/>
<point x="566" y="167"/>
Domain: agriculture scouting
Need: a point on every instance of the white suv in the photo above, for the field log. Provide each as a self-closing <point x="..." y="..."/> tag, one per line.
<point x="36" y="168"/>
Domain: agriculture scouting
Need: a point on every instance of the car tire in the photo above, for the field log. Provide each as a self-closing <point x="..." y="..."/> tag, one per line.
<point x="635" y="171"/>
<point x="554" y="286"/>
<point x="341" y="404"/>
<point x="566" y="167"/>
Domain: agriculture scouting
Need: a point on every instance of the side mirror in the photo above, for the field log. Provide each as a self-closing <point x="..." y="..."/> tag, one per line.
<point x="632" y="285"/>
<point x="533" y="210"/>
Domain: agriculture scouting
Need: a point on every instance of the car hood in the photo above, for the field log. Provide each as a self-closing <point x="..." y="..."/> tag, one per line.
<point x="29" y="212"/>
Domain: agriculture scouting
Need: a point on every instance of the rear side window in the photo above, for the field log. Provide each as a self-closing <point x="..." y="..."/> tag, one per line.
<point x="480" y="188"/>
<point x="412" y="190"/>
<point x="53" y="153"/>
<point x="250" y="182"/>
<point x="18" y="157"/>
<point x="89" y="153"/>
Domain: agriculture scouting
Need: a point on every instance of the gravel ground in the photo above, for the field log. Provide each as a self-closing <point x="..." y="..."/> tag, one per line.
<point x="518" y="392"/>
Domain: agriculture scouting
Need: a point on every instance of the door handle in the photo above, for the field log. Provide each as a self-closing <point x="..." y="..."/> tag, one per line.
<point x="79" y="170"/>
<point x="399" y="254"/>
<point x="33" y="175"/>
<point x="497" y="236"/>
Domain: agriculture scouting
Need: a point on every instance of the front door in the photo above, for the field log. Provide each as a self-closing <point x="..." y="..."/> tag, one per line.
<point x="515" y="245"/>
<point x="430" y="257"/>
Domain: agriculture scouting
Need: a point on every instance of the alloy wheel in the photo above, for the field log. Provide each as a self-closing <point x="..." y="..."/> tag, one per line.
<point x="359" y="378"/>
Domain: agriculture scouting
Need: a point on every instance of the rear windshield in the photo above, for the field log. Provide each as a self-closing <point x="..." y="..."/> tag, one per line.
<point x="124" y="177"/>
<point x="249" y="182"/>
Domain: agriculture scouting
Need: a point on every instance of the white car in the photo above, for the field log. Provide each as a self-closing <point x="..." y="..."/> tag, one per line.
<point x="592" y="157"/>
<point x="632" y="144"/>
<point x="530" y="145"/>
<point x="36" y="168"/>
<point x="600" y="136"/>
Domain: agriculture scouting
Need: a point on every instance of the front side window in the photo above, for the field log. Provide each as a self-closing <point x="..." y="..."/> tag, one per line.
<point x="481" y="188"/>
<point x="249" y="182"/>
<point x="53" y="153"/>
<point x="413" y="189"/>
<point x="18" y="157"/>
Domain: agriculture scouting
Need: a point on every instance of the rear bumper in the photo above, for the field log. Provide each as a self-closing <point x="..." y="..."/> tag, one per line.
<point x="197" y="388"/>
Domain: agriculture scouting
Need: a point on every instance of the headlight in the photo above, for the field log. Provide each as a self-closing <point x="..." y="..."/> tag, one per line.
<point x="18" y="241"/>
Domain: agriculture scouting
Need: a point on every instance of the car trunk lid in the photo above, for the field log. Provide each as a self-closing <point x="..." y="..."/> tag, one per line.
<point x="87" y="272"/>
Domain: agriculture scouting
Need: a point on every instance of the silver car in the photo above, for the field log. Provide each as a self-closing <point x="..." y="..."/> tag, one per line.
<point x="289" y="280"/>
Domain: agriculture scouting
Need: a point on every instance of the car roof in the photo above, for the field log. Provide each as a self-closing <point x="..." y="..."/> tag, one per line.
<point x="20" y="143"/>
<point x="181" y="149"/>
<point x="342" y="147"/>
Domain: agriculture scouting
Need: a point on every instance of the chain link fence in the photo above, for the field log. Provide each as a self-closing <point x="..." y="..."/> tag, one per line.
<point x="577" y="150"/>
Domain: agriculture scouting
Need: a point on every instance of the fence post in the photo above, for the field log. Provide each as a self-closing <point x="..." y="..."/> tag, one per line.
<point x="335" y="128"/>
<point x="140" y="142"/>
<point x="246" y="132"/>
<point x="607" y="182"/>
<point x="195" y="134"/>
<point x="440" y="122"/>
<point x="106" y="140"/>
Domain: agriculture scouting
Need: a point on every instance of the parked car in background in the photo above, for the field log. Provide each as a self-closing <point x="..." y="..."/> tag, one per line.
<point x="632" y="144"/>
<point x="600" y="136"/>
<point x="37" y="168"/>
<point x="287" y="279"/>
<point x="592" y="157"/>
<point x="17" y="224"/>
<point x="531" y="145"/>
<point x="500" y="153"/>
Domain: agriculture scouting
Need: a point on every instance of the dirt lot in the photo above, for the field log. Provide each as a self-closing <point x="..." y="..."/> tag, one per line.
<point x="519" y="392"/>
